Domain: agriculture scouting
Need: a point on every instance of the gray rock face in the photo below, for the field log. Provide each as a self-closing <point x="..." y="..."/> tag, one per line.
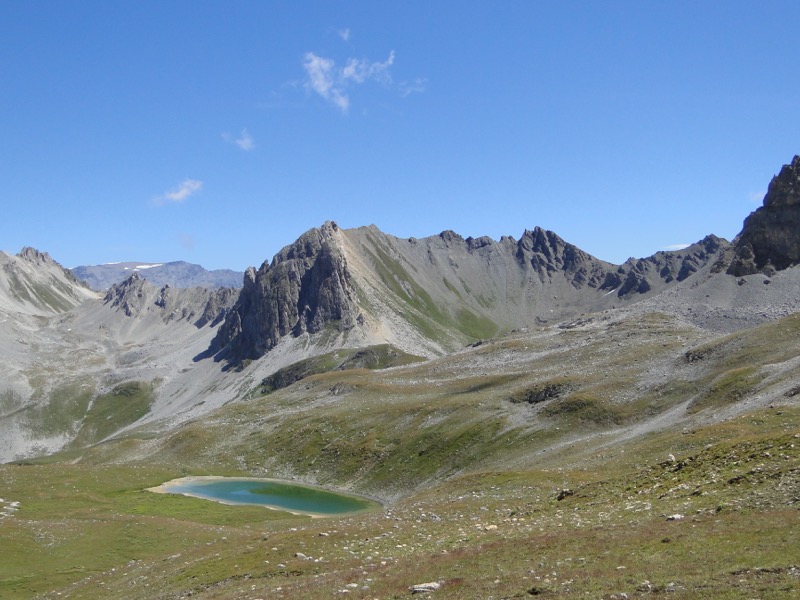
<point x="642" y="275"/>
<point x="550" y="256"/>
<point x="547" y="254"/>
<point x="770" y="238"/>
<point x="306" y="287"/>
<point x="136" y="297"/>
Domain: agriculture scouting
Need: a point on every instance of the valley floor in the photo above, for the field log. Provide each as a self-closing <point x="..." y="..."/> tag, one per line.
<point x="721" y="520"/>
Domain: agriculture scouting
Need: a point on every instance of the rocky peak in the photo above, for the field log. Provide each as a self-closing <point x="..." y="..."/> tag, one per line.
<point x="306" y="288"/>
<point x="43" y="259"/>
<point x="450" y="236"/>
<point x="127" y="296"/>
<point x="784" y="189"/>
<point x="309" y="287"/>
<point x="35" y="256"/>
<point x="770" y="237"/>
<point x="476" y="243"/>
<point x="548" y="254"/>
<point x="34" y="283"/>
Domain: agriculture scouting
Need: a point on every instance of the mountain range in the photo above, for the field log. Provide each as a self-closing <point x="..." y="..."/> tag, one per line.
<point x="336" y="289"/>
<point x="439" y="375"/>
<point x="176" y="274"/>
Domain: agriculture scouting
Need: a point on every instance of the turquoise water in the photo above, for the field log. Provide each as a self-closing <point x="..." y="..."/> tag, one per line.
<point x="274" y="494"/>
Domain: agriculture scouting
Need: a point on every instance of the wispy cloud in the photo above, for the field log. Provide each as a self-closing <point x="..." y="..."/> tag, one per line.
<point x="332" y="82"/>
<point x="417" y="86"/>
<point x="757" y="197"/>
<point x="180" y="193"/>
<point x="324" y="80"/>
<point x="344" y="34"/>
<point x="245" y="141"/>
<point x="673" y="247"/>
<point x="359" y="70"/>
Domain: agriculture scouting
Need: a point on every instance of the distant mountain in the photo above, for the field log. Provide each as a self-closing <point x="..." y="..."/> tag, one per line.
<point x="178" y="274"/>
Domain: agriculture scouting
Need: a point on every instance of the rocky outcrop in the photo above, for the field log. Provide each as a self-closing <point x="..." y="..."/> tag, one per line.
<point x="127" y="296"/>
<point x="217" y="306"/>
<point x="547" y="254"/>
<point x="136" y="298"/>
<point x="305" y="289"/>
<point x="770" y="237"/>
<point x="32" y="255"/>
<point x="639" y="276"/>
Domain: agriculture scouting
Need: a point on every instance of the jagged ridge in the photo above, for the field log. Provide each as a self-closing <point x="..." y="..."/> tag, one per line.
<point x="431" y="295"/>
<point x="135" y="297"/>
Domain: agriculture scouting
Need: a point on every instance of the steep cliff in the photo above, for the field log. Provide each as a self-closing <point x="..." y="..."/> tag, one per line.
<point x="306" y="288"/>
<point x="770" y="237"/>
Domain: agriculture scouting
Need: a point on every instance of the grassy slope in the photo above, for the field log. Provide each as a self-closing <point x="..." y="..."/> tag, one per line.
<point x="74" y="409"/>
<point x="472" y="459"/>
<point x="434" y="320"/>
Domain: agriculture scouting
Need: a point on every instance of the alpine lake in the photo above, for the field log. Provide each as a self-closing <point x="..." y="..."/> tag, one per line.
<point x="270" y="493"/>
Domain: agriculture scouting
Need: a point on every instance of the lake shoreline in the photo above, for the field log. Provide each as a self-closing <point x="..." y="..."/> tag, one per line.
<point x="168" y="487"/>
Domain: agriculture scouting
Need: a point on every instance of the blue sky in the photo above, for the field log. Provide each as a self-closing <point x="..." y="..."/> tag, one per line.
<point x="218" y="132"/>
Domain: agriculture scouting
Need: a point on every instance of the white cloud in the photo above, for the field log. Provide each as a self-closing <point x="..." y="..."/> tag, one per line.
<point x="359" y="70"/>
<point x="321" y="79"/>
<point x="412" y="87"/>
<point x="673" y="247"/>
<point x="332" y="82"/>
<point x="344" y="34"/>
<point x="320" y="73"/>
<point x="245" y="141"/>
<point x="180" y="193"/>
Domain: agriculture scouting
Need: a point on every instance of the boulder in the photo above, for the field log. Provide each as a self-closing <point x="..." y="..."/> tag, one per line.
<point x="424" y="588"/>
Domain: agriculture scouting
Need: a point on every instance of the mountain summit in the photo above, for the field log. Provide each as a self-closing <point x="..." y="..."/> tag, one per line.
<point x="307" y="287"/>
